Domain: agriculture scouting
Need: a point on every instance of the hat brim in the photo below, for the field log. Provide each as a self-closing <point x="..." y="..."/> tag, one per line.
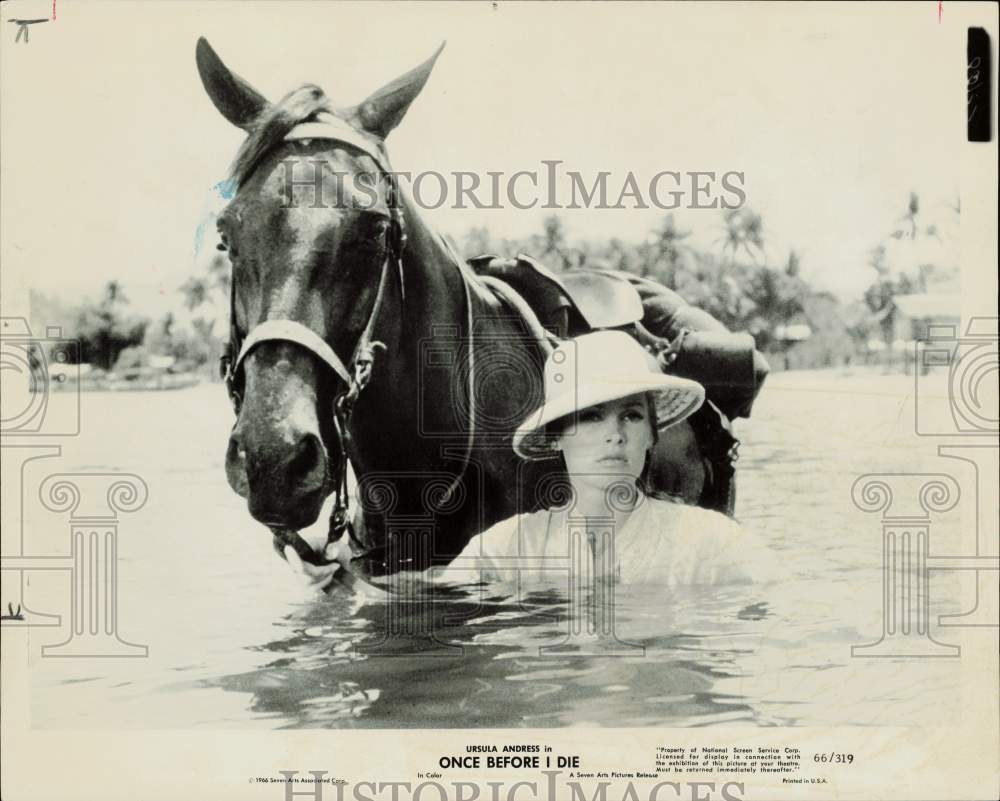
<point x="675" y="399"/>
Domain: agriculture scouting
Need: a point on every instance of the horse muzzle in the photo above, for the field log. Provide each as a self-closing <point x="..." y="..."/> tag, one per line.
<point x="284" y="483"/>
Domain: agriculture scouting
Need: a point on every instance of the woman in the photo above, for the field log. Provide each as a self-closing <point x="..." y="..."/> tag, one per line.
<point x="605" y="406"/>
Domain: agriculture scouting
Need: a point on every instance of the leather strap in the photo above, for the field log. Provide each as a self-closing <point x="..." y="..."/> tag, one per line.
<point x="291" y="331"/>
<point x="328" y="126"/>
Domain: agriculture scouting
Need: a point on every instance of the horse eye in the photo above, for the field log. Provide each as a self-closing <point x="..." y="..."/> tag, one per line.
<point x="373" y="226"/>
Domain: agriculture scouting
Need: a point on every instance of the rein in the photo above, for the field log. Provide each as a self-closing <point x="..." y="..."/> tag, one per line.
<point x="356" y="373"/>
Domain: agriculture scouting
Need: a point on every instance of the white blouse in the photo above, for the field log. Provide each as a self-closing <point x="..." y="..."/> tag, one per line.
<point x="662" y="542"/>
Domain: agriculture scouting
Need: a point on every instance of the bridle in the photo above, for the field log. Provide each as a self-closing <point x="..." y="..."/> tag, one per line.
<point x="356" y="372"/>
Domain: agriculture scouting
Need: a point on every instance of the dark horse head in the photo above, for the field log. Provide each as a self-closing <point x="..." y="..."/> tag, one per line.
<point x="337" y="286"/>
<point x="308" y="232"/>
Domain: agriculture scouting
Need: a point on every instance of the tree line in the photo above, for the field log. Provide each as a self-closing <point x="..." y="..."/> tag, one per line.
<point x="736" y="281"/>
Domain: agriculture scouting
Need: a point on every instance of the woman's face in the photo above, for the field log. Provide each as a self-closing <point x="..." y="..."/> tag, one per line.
<point x="610" y="441"/>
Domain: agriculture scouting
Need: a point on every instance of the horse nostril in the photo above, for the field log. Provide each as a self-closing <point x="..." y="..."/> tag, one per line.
<point x="236" y="466"/>
<point x="308" y="462"/>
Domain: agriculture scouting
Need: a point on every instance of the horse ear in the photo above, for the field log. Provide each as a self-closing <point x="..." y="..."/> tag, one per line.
<point x="235" y="99"/>
<point x="384" y="110"/>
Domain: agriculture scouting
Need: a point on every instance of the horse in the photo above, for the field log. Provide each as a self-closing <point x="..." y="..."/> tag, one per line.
<point x="358" y="335"/>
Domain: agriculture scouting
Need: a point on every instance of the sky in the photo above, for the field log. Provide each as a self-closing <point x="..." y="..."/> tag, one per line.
<point x="833" y="113"/>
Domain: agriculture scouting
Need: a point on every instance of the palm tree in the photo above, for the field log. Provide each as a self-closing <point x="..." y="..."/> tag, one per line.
<point x="744" y="230"/>
<point x="195" y="292"/>
<point x="879" y="296"/>
<point x="554" y="241"/>
<point x="794" y="265"/>
<point x="671" y="250"/>
<point x="646" y="256"/>
<point x="477" y="241"/>
<point x="753" y="227"/>
<point x="113" y="293"/>
<point x="876" y="260"/>
<point x="620" y="256"/>
<point x="219" y="273"/>
<point x="105" y="331"/>
<point x="912" y="212"/>
<point x="198" y="289"/>
<point x="203" y="327"/>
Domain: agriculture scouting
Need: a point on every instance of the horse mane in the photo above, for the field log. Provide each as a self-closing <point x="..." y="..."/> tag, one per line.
<point x="273" y="125"/>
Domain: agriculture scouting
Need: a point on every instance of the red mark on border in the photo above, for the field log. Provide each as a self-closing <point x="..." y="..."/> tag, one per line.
<point x="940" y="9"/>
<point x="53" y="10"/>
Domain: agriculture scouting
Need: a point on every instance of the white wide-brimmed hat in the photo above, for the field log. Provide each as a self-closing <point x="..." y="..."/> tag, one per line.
<point x="597" y="368"/>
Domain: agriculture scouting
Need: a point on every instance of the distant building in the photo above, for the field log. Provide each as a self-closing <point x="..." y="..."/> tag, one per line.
<point x="916" y="313"/>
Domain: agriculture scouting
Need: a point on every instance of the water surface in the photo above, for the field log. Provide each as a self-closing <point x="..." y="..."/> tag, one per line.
<point x="234" y="641"/>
